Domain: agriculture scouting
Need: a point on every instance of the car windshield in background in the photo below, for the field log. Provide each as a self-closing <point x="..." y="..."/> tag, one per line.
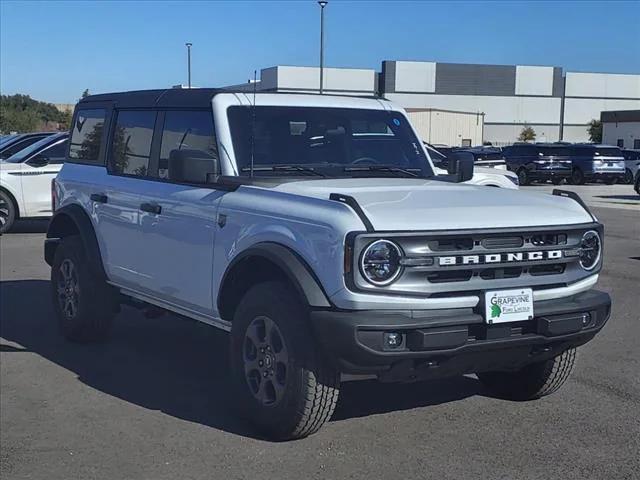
<point x="25" y="153"/>
<point x="325" y="142"/>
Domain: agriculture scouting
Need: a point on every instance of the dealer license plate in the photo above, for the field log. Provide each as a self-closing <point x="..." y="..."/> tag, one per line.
<point x="503" y="306"/>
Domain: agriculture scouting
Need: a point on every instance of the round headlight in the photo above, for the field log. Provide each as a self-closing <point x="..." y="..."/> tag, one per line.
<point x="380" y="262"/>
<point x="590" y="250"/>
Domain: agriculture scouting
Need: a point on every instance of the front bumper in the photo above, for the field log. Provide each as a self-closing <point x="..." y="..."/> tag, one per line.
<point x="438" y="343"/>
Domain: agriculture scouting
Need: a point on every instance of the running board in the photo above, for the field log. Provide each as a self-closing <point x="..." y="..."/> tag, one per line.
<point x="185" y="312"/>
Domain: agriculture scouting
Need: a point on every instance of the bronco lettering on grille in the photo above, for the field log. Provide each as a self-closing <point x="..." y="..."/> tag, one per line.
<point x="499" y="258"/>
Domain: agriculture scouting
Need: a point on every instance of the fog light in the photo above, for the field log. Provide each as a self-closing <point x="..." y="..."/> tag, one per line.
<point x="393" y="340"/>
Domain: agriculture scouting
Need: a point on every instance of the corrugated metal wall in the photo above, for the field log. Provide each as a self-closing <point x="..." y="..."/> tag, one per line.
<point x="447" y="128"/>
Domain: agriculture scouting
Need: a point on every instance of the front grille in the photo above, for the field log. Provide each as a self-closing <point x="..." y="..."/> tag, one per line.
<point x="470" y="262"/>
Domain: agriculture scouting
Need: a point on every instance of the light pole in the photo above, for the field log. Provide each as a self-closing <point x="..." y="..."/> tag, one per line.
<point x="188" y="44"/>
<point x="322" y="3"/>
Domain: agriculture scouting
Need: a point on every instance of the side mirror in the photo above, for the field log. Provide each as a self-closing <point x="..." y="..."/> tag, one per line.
<point x="192" y="166"/>
<point x="39" y="161"/>
<point x="461" y="165"/>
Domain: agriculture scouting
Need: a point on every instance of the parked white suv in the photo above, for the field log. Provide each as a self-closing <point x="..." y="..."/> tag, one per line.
<point x="25" y="180"/>
<point x="312" y="228"/>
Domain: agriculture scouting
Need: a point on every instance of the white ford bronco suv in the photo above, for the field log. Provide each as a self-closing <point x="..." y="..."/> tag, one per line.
<point x="312" y="228"/>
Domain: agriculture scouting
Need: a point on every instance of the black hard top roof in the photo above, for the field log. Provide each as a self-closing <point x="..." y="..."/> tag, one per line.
<point x="169" y="97"/>
<point x="175" y="97"/>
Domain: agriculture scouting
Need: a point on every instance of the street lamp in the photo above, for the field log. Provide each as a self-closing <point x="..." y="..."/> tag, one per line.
<point x="322" y="3"/>
<point x="189" y="62"/>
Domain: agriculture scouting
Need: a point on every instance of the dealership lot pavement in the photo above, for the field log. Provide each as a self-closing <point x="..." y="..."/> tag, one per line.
<point x="153" y="403"/>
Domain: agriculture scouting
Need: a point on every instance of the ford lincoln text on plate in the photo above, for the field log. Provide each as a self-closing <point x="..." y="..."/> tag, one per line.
<point x="313" y="230"/>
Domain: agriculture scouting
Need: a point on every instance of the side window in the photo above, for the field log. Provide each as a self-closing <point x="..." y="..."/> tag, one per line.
<point x="620" y="142"/>
<point x="56" y="153"/>
<point x="131" y="142"/>
<point x="186" y="130"/>
<point x="86" y="136"/>
<point x="636" y="144"/>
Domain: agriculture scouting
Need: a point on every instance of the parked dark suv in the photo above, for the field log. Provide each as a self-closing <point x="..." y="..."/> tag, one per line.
<point x="540" y="162"/>
<point x="592" y="162"/>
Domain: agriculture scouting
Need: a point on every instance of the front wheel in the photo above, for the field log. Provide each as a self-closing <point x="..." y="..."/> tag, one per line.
<point x="283" y="383"/>
<point x="523" y="177"/>
<point x="7" y="212"/>
<point x="533" y="381"/>
<point x="577" y="177"/>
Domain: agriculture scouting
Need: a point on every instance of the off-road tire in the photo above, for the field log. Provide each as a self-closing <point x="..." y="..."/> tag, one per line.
<point x="7" y="212"/>
<point x="533" y="381"/>
<point x="311" y="385"/>
<point x="523" y="177"/>
<point x="96" y="305"/>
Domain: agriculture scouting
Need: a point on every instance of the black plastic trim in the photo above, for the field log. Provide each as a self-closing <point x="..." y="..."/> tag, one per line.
<point x="294" y="267"/>
<point x="355" y="206"/>
<point x="79" y="217"/>
<point x="340" y="333"/>
<point x="574" y="196"/>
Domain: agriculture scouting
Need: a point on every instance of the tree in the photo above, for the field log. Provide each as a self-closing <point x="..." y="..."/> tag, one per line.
<point x="527" y="134"/>
<point x="595" y="131"/>
<point x="21" y="113"/>
<point x="85" y="94"/>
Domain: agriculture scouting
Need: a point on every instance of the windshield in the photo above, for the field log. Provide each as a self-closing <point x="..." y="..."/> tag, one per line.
<point x="25" y="153"/>
<point x="331" y="142"/>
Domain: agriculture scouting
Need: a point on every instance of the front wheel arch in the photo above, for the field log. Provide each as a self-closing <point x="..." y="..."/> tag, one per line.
<point x="264" y="262"/>
<point x="12" y="197"/>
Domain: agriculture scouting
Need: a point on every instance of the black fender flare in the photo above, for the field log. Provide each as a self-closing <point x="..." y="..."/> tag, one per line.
<point x="291" y="264"/>
<point x="62" y="224"/>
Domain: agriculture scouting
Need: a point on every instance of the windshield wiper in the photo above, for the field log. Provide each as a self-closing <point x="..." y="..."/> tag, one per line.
<point x="285" y="168"/>
<point x="383" y="168"/>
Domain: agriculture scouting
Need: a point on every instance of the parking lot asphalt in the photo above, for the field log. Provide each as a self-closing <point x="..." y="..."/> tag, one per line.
<point x="153" y="402"/>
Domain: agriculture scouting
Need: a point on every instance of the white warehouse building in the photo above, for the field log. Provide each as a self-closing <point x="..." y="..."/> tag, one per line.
<point x="557" y="105"/>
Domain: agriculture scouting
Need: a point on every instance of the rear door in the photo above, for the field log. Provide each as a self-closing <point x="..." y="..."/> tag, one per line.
<point x="117" y="198"/>
<point x="178" y="237"/>
<point x="37" y="174"/>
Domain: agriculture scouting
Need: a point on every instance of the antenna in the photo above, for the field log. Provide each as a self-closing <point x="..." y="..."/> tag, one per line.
<point x="253" y="120"/>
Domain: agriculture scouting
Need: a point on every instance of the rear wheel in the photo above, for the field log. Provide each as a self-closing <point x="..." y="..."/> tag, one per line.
<point x="523" y="177"/>
<point x="577" y="177"/>
<point x="283" y="383"/>
<point x="7" y="212"/>
<point x="628" y="177"/>
<point x="533" y="381"/>
<point x="85" y="305"/>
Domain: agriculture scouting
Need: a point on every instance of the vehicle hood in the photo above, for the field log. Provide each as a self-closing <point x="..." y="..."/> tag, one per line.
<point x="419" y="204"/>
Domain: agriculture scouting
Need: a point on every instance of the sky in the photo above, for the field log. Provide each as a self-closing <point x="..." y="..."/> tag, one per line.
<point x="53" y="51"/>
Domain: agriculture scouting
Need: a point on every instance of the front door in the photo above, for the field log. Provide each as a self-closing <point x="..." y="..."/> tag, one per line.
<point x="178" y="222"/>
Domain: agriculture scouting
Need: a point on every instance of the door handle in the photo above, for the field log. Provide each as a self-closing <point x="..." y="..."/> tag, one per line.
<point x="151" y="208"/>
<point x="99" y="197"/>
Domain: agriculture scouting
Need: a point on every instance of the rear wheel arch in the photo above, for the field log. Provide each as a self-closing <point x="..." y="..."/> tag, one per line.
<point x="73" y="220"/>
<point x="266" y="262"/>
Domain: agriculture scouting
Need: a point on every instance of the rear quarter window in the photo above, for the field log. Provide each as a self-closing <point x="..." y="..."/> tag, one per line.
<point x="86" y="136"/>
